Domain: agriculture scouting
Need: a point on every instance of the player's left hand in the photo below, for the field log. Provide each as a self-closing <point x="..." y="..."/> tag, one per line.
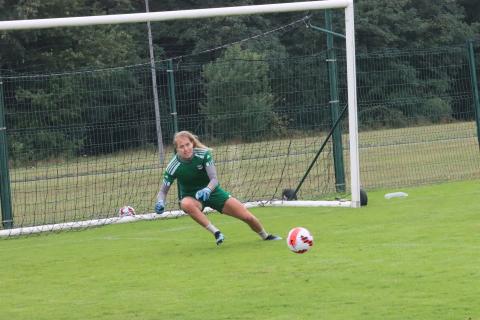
<point x="203" y="194"/>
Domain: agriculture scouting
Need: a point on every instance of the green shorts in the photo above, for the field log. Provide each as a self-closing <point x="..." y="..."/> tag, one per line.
<point x="216" y="201"/>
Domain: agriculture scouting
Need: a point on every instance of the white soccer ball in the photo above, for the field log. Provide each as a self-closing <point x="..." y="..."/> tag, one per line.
<point x="299" y="240"/>
<point x="126" y="211"/>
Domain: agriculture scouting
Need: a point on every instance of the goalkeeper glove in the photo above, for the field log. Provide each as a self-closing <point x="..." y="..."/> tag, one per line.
<point x="203" y="194"/>
<point x="160" y="207"/>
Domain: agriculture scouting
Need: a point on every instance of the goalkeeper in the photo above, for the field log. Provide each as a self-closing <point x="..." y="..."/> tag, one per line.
<point x="195" y="171"/>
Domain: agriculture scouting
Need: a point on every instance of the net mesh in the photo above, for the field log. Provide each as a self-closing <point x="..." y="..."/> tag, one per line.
<point x="83" y="144"/>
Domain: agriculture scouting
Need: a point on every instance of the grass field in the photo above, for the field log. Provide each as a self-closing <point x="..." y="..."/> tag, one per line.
<point x="411" y="258"/>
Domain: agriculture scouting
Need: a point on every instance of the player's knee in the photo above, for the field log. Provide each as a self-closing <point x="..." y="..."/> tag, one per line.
<point x="188" y="204"/>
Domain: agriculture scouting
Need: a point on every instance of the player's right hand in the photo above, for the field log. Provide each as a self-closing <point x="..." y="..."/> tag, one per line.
<point x="160" y="207"/>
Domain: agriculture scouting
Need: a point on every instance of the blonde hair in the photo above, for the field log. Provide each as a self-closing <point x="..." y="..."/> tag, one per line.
<point x="190" y="136"/>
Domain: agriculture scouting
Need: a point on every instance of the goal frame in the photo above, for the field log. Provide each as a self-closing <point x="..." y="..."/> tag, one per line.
<point x="347" y="5"/>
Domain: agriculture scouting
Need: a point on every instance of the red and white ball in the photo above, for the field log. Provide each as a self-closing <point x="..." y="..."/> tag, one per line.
<point x="299" y="240"/>
<point x="126" y="211"/>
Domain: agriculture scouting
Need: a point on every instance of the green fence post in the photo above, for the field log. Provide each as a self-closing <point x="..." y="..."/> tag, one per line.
<point x="337" y="133"/>
<point x="474" y="83"/>
<point x="5" y="193"/>
<point x="171" y="94"/>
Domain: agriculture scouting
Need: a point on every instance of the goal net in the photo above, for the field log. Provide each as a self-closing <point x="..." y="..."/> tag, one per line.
<point x="82" y="144"/>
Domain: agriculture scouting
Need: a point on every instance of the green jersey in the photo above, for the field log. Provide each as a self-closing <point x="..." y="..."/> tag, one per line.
<point x="191" y="174"/>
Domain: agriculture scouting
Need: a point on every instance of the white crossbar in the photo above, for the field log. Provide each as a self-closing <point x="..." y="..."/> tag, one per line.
<point x="172" y="15"/>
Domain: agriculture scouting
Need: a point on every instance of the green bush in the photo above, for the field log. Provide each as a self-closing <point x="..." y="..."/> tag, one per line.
<point x="239" y="98"/>
<point x="380" y="116"/>
<point x="436" y="110"/>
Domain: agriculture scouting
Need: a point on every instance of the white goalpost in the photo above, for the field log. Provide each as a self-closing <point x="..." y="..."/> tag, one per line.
<point x="348" y="7"/>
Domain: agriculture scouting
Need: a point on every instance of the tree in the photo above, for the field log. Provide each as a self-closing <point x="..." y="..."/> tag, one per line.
<point x="409" y="24"/>
<point x="238" y="95"/>
<point x="472" y="12"/>
<point x="48" y="50"/>
<point x="54" y="104"/>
